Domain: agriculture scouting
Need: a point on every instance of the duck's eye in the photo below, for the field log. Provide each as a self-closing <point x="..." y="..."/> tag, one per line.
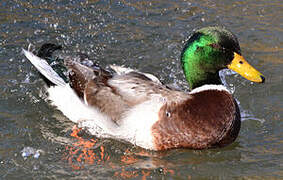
<point x="168" y="114"/>
<point x="241" y="62"/>
<point x="216" y="46"/>
<point x="198" y="48"/>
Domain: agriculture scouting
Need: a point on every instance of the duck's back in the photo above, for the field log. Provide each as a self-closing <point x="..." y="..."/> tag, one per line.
<point x="116" y="93"/>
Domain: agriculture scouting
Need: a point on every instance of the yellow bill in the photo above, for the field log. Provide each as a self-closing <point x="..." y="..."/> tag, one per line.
<point x="241" y="66"/>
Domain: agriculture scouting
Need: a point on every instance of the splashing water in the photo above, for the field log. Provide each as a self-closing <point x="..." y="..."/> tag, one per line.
<point x="30" y="151"/>
<point x="223" y="74"/>
<point x="245" y="114"/>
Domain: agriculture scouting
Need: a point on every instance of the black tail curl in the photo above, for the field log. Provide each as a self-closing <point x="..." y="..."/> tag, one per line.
<point x="45" y="52"/>
<point x="47" y="49"/>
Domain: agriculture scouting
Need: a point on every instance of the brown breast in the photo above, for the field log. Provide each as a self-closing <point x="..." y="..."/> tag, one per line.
<point x="210" y="118"/>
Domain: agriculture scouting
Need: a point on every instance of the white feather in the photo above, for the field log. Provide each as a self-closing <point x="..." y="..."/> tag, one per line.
<point x="44" y="68"/>
<point x="135" y="127"/>
<point x="209" y="87"/>
<point x="123" y="70"/>
<point x="66" y="100"/>
<point x="139" y="120"/>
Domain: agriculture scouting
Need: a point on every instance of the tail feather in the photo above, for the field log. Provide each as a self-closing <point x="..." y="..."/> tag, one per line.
<point x="44" y="68"/>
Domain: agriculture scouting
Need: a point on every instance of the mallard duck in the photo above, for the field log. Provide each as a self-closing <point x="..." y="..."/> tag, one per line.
<point x="132" y="106"/>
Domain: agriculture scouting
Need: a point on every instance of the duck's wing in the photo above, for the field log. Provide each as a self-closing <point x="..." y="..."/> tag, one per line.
<point x="114" y="94"/>
<point x="120" y="70"/>
<point x="136" y="87"/>
<point x="120" y="93"/>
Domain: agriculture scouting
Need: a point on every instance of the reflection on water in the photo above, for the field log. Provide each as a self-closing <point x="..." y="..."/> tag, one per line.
<point x="133" y="162"/>
<point x="82" y="151"/>
<point x="89" y="151"/>
<point x="148" y="36"/>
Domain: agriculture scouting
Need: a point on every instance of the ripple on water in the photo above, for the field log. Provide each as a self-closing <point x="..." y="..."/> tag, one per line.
<point x="146" y="35"/>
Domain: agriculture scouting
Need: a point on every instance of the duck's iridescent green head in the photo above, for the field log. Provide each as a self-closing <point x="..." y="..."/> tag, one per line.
<point x="211" y="49"/>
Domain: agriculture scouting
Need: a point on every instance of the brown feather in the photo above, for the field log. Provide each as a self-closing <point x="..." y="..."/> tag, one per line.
<point x="105" y="99"/>
<point x="79" y="76"/>
<point x="210" y="118"/>
<point x="115" y="96"/>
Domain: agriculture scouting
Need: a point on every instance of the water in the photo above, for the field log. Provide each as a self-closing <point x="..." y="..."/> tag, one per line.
<point x="148" y="36"/>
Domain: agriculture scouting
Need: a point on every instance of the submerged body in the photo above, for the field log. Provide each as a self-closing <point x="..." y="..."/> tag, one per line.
<point x="137" y="108"/>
